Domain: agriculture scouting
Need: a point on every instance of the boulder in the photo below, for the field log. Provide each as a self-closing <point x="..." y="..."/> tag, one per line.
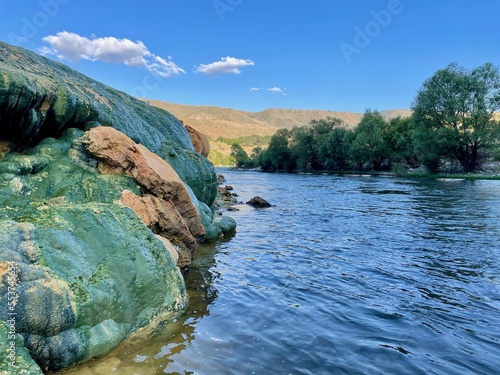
<point x="194" y="169"/>
<point x="14" y="357"/>
<point x="89" y="272"/>
<point x="176" y="215"/>
<point x="220" y="179"/>
<point x="40" y="98"/>
<point x="199" y="140"/>
<point x="258" y="202"/>
<point x="162" y="217"/>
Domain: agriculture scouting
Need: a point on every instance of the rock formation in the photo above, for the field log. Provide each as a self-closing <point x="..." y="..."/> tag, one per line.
<point x="166" y="207"/>
<point x="258" y="202"/>
<point x="100" y="196"/>
<point x="200" y="141"/>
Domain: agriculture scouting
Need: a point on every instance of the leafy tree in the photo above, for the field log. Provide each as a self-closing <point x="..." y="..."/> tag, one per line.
<point x="308" y="143"/>
<point x="321" y="131"/>
<point x="240" y="157"/>
<point x="455" y="111"/>
<point x="302" y="148"/>
<point x="256" y="151"/>
<point x="278" y="156"/>
<point x="333" y="147"/>
<point x="369" y="145"/>
<point x="399" y="136"/>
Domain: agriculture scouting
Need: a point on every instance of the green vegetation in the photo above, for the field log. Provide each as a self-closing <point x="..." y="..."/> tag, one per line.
<point x="246" y="141"/>
<point x="453" y="128"/>
<point x="240" y="157"/>
<point x="219" y="158"/>
<point x="222" y="153"/>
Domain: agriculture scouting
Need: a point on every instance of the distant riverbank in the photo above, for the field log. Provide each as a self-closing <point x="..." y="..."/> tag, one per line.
<point x="410" y="174"/>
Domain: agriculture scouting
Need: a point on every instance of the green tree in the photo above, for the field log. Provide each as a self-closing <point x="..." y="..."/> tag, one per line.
<point x="302" y="148"/>
<point x="455" y="111"/>
<point x="369" y="145"/>
<point x="308" y="145"/>
<point x="240" y="157"/>
<point x="399" y="136"/>
<point x="333" y="145"/>
<point x="278" y="156"/>
<point x="321" y="134"/>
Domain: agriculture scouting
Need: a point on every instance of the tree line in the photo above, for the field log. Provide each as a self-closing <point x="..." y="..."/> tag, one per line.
<point x="454" y="121"/>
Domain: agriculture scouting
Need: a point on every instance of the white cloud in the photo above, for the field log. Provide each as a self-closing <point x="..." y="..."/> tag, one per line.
<point x="73" y="47"/>
<point x="226" y="65"/>
<point x="276" y="90"/>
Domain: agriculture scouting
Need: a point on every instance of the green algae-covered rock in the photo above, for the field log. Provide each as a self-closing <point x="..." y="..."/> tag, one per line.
<point x="88" y="271"/>
<point x="214" y="228"/>
<point x="40" y="98"/>
<point x="70" y="177"/>
<point x="225" y="223"/>
<point x="92" y="275"/>
<point x="194" y="169"/>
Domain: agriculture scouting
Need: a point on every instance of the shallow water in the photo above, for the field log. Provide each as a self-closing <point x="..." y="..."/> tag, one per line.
<point x="344" y="275"/>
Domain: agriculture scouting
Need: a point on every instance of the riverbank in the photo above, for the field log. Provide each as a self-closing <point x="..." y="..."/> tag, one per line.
<point x="489" y="171"/>
<point x="423" y="175"/>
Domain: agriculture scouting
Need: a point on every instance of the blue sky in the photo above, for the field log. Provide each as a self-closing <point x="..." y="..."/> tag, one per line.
<point x="254" y="54"/>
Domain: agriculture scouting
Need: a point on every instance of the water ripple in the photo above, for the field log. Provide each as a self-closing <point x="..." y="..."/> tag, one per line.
<point x="345" y="275"/>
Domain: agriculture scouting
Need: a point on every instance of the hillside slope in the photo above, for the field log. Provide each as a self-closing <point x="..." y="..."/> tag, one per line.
<point x="231" y="123"/>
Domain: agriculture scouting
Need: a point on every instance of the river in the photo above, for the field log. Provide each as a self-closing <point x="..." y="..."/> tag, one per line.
<point x="343" y="275"/>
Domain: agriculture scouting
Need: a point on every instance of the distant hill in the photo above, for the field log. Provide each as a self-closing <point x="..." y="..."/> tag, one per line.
<point x="231" y="123"/>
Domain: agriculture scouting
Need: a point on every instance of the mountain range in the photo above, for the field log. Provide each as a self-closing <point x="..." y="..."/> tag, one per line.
<point x="217" y="122"/>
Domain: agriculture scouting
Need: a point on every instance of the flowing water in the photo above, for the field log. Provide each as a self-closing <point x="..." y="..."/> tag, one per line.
<point x="344" y="275"/>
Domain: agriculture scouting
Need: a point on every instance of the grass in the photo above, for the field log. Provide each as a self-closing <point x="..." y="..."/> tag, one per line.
<point x="458" y="176"/>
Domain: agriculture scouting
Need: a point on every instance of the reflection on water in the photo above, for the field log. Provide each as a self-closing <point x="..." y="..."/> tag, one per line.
<point x="345" y="275"/>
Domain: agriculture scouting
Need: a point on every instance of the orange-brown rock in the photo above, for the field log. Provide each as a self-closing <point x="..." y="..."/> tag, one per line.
<point x="167" y="205"/>
<point x="161" y="216"/>
<point x="171" y="249"/>
<point x="4" y="148"/>
<point x="142" y="206"/>
<point x="199" y="140"/>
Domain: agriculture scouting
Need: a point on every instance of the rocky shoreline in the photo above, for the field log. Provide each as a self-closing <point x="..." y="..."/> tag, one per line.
<point x="103" y="201"/>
